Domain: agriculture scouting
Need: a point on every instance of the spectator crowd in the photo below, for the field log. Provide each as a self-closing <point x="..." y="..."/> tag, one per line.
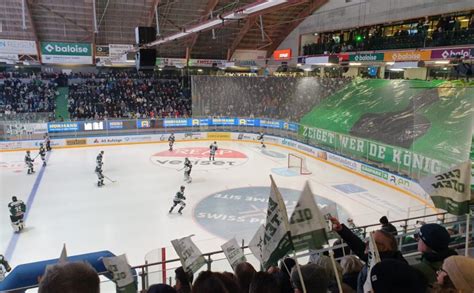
<point x="124" y="97"/>
<point x="439" y="270"/>
<point x="425" y="32"/>
<point x="31" y="96"/>
<point x="286" y="98"/>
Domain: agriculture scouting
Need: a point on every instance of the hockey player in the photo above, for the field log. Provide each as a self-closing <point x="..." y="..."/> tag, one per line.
<point x="42" y="153"/>
<point x="187" y="173"/>
<point x="179" y="199"/>
<point x="171" y="140"/>
<point x="187" y="162"/>
<point x="261" y="139"/>
<point x="100" y="176"/>
<point x="17" y="211"/>
<point x="212" y="152"/>
<point x="29" y="162"/>
<point x="47" y="142"/>
<point x="4" y="267"/>
<point x="99" y="158"/>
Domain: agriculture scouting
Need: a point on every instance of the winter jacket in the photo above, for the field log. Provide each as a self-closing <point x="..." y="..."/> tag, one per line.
<point x="431" y="262"/>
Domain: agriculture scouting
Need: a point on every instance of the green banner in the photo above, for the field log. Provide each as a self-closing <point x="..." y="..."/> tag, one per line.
<point x="366" y="57"/>
<point x="66" y="49"/>
<point x="396" y="158"/>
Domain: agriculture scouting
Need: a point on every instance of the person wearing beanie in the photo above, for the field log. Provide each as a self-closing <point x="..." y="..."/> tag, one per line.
<point x="183" y="280"/>
<point x="386" y="244"/>
<point x="393" y="276"/>
<point x="387" y="226"/>
<point x="433" y="243"/>
<point x="456" y="274"/>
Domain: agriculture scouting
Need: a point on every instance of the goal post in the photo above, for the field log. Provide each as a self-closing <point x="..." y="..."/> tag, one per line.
<point x="298" y="162"/>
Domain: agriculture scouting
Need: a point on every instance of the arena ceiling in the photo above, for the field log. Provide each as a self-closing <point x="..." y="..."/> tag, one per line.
<point x="73" y="21"/>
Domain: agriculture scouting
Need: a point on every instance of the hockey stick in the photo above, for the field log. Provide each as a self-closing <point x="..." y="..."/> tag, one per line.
<point x="113" y="181"/>
<point x="181" y="169"/>
<point x="36" y="157"/>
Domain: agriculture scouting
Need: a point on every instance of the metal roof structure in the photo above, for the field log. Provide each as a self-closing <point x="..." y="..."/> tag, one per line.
<point x="113" y="22"/>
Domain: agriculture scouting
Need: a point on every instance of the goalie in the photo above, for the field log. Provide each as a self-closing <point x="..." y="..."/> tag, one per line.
<point x="17" y="212"/>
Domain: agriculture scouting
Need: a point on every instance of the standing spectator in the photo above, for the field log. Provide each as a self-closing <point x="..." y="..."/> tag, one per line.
<point x="392" y="276"/>
<point x="245" y="273"/>
<point x="70" y="277"/>
<point x="386" y="244"/>
<point x="351" y="267"/>
<point x="387" y="226"/>
<point x="315" y="279"/>
<point x="433" y="241"/>
<point x="183" y="280"/>
<point x="456" y="275"/>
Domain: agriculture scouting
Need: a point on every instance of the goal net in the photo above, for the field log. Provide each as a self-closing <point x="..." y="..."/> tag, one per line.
<point x="298" y="162"/>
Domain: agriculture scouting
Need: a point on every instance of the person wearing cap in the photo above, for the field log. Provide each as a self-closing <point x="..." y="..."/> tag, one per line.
<point x="456" y="274"/>
<point x="393" y="276"/>
<point x="433" y="243"/>
<point x="386" y="245"/>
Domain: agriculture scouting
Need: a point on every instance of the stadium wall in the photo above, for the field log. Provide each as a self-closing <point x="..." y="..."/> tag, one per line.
<point x="399" y="183"/>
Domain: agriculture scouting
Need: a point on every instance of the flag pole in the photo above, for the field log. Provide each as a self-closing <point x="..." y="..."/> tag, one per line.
<point x="468" y="220"/>
<point x="299" y="272"/>
<point x="333" y="261"/>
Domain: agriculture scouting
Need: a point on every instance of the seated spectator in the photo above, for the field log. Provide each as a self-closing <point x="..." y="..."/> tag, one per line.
<point x="264" y="282"/>
<point x="393" y="276"/>
<point x="456" y="275"/>
<point x="70" y="277"/>
<point x="386" y="245"/>
<point x="433" y="243"/>
<point x="244" y="273"/>
<point x="184" y="280"/>
<point x="314" y="277"/>
<point x="351" y="267"/>
<point x="387" y="226"/>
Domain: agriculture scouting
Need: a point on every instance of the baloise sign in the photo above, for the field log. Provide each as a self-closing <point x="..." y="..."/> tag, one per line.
<point x="66" y="53"/>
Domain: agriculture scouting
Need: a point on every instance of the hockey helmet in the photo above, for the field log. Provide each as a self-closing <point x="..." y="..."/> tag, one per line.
<point x="41" y="144"/>
<point x="101" y="152"/>
<point x="182" y="187"/>
<point x="27" y="152"/>
<point x="14" y="198"/>
<point x="349" y="220"/>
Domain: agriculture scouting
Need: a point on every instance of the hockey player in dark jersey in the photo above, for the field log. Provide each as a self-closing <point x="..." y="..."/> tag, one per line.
<point x="171" y="141"/>
<point x="179" y="198"/>
<point x="29" y="162"/>
<point x="261" y="139"/>
<point x="212" y="151"/>
<point x="42" y="153"/>
<point x="100" y="176"/>
<point x="4" y="267"/>
<point x="187" y="173"/>
<point x="99" y="158"/>
<point x="17" y="211"/>
<point x="47" y="142"/>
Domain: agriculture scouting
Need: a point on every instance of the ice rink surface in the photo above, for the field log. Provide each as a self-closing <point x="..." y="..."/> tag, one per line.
<point x="131" y="216"/>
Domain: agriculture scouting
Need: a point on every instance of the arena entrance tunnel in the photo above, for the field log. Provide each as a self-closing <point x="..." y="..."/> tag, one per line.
<point x="26" y="276"/>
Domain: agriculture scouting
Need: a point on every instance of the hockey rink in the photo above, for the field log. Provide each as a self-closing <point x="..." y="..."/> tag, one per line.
<point x="227" y="198"/>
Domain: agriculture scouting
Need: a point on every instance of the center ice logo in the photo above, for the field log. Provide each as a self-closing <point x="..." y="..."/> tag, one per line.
<point x="199" y="157"/>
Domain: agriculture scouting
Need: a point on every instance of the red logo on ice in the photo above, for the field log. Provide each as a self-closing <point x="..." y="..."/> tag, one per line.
<point x="201" y="152"/>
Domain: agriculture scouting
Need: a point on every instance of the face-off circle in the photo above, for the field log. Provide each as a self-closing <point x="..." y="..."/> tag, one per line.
<point x="199" y="157"/>
<point x="239" y="212"/>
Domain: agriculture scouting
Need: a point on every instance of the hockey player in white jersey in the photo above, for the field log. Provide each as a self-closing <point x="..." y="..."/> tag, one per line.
<point x="99" y="158"/>
<point x="17" y="212"/>
<point x="42" y="153"/>
<point x="4" y="267"/>
<point x="261" y="139"/>
<point x="187" y="173"/>
<point x="171" y="141"/>
<point x="29" y="162"/>
<point x="100" y="175"/>
<point x="179" y="198"/>
<point x="212" y="151"/>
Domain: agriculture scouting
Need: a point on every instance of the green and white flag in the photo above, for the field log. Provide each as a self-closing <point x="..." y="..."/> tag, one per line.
<point x="307" y="223"/>
<point x="63" y="256"/>
<point x="450" y="190"/>
<point x="190" y="256"/>
<point x="256" y="243"/>
<point x="277" y="239"/>
<point x="120" y="269"/>
<point x="373" y="258"/>
<point x="233" y="253"/>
